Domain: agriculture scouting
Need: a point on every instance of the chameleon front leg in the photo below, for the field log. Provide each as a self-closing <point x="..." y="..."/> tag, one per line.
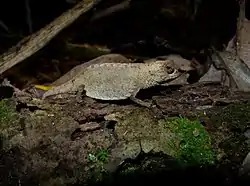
<point x="79" y="92"/>
<point x="157" y="112"/>
<point x="139" y="101"/>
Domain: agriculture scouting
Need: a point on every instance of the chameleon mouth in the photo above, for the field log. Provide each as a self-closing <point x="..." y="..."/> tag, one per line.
<point x="187" y="67"/>
<point x="186" y="70"/>
<point x="182" y="71"/>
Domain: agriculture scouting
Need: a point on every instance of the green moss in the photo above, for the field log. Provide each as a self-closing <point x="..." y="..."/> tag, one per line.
<point x="102" y="155"/>
<point x="192" y="142"/>
<point x="9" y="121"/>
<point x="99" y="159"/>
<point x="7" y="113"/>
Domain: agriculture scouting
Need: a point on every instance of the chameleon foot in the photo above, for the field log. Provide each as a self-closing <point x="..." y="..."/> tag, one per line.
<point x="79" y="94"/>
<point x="157" y="112"/>
<point x="140" y="102"/>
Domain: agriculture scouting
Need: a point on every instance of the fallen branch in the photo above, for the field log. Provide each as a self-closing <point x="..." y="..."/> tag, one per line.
<point x="31" y="44"/>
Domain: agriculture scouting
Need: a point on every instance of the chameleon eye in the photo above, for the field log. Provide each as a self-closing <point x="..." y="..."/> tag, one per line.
<point x="170" y="70"/>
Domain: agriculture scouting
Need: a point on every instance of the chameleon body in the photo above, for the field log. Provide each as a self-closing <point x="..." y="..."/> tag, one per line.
<point x="118" y="81"/>
<point x="107" y="58"/>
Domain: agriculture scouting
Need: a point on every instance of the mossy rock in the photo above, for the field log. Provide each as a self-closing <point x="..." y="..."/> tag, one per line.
<point x="183" y="139"/>
<point x="189" y="142"/>
<point x="9" y="119"/>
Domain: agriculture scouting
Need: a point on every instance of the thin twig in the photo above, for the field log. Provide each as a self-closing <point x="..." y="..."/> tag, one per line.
<point x="4" y="26"/>
<point x="28" y="16"/>
<point x="113" y="9"/>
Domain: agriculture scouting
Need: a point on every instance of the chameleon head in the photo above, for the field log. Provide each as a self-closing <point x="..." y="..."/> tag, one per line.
<point x="168" y="70"/>
<point x="165" y="71"/>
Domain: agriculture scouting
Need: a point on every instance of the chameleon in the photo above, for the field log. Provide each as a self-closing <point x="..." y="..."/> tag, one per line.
<point x="114" y="58"/>
<point x="119" y="81"/>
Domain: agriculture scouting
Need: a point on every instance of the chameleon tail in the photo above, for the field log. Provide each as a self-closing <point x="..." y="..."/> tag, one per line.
<point x="64" y="88"/>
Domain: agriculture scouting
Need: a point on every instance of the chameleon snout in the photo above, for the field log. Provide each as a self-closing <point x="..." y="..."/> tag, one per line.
<point x="186" y="67"/>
